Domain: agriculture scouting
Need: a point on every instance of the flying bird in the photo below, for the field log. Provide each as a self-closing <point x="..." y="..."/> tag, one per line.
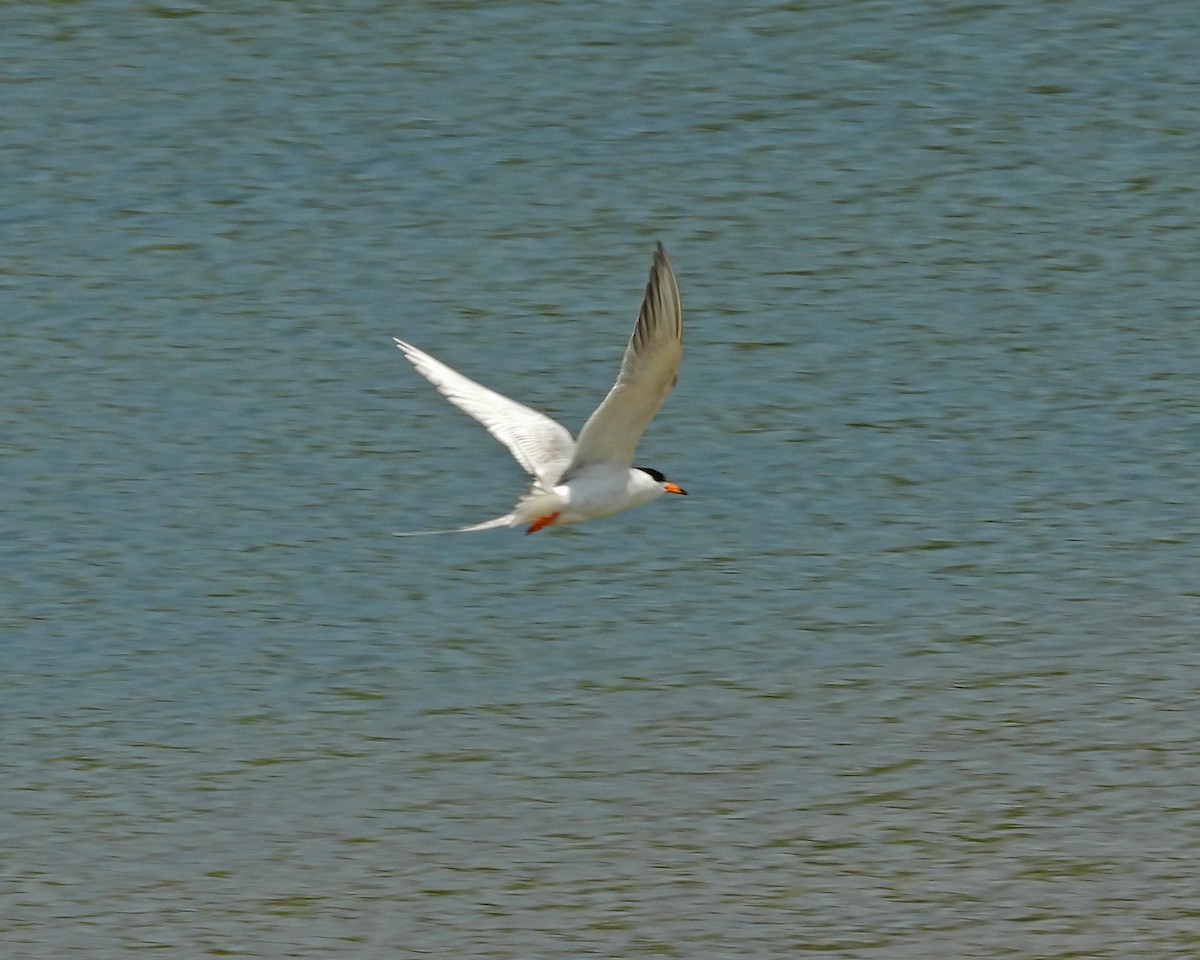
<point x="594" y="476"/>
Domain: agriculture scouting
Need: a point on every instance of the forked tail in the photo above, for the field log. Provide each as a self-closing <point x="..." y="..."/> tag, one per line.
<point x="539" y="506"/>
<point x="508" y="520"/>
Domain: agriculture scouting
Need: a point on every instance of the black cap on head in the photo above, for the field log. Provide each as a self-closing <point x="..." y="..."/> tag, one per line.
<point x="655" y="474"/>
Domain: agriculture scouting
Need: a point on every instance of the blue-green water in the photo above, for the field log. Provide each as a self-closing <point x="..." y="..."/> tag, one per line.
<point x="912" y="673"/>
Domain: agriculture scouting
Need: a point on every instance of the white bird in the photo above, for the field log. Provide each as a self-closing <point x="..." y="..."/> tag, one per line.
<point x="593" y="477"/>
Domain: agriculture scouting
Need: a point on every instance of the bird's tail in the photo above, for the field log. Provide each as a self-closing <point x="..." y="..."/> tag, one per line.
<point x="537" y="504"/>
<point x="508" y="520"/>
<point x="539" y="501"/>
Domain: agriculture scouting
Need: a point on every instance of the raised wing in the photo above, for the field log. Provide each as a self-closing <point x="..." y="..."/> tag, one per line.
<point x="542" y="446"/>
<point x="648" y="372"/>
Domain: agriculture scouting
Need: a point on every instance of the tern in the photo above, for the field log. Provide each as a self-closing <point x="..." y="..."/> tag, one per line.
<point x="594" y="476"/>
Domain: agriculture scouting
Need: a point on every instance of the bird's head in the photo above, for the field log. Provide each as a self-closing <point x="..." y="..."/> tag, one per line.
<point x="658" y="477"/>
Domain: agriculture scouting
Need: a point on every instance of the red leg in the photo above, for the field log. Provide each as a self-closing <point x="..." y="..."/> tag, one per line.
<point x="542" y="522"/>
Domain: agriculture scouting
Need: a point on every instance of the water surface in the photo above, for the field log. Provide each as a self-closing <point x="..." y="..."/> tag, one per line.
<point x="911" y="673"/>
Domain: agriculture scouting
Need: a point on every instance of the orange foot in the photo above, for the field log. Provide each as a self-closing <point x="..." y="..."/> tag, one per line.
<point x="542" y="522"/>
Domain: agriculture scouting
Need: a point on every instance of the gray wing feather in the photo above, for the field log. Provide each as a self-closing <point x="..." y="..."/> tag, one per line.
<point x="648" y="374"/>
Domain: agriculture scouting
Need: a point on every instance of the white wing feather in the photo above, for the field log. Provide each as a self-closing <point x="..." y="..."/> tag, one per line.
<point x="648" y="373"/>
<point x="543" y="447"/>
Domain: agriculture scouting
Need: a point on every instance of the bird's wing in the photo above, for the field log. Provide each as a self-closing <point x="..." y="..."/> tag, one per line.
<point x="648" y="372"/>
<point x="542" y="446"/>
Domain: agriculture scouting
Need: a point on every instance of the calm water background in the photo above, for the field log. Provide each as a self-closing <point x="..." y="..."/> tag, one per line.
<point x="913" y="673"/>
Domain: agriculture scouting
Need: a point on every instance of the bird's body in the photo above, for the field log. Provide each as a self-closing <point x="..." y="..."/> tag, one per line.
<point x="594" y="477"/>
